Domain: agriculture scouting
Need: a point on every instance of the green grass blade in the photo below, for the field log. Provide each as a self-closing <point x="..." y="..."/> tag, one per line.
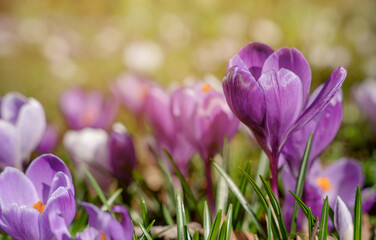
<point x="241" y="199"/>
<point x="323" y="234"/>
<point x="112" y="199"/>
<point x="167" y="215"/>
<point x="302" y="205"/>
<point x="276" y="208"/>
<point x="269" y="227"/>
<point x="96" y="187"/>
<point x="300" y="182"/>
<point x="358" y="215"/>
<point x="180" y="220"/>
<point x="148" y="229"/>
<point x="242" y="187"/>
<point x="215" y="227"/>
<point x="144" y="231"/>
<point x="222" y="232"/>
<point x="207" y="221"/>
<point x="229" y="222"/>
<point x="144" y="212"/>
<point x="196" y="235"/>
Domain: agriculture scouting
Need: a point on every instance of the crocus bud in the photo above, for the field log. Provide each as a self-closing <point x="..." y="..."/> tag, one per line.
<point x="343" y="220"/>
<point x="122" y="153"/>
<point x="22" y="125"/>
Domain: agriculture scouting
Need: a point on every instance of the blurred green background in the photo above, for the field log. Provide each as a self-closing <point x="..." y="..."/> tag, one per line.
<point x="47" y="46"/>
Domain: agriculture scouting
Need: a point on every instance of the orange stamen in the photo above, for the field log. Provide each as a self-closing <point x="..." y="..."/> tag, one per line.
<point x="206" y="87"/>
<point x="324" y="183"/>
<point x="103" y="236"/>
<point x="39" y="206"/>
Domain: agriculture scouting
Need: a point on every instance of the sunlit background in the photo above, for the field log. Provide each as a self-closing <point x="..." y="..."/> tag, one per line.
<point x="47" y="46"/>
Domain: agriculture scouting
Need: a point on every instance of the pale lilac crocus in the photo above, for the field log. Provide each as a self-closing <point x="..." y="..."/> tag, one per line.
<point x="269" y="92"/>
<point x="28" y="201"/>
<point x="22" y="125"/>
<point x="365" y="97"/>
<point x="338" y="179"/>
<point x="168" y="135"/>
<point x="201" y="112"/>
<point x="132" y="91"/>
<point x="324" y="128"/>
<point x="89" y="146"/>
<point x="49" y="140"/>
<point x="87" y="109"/>
<point x="343" y="221"/>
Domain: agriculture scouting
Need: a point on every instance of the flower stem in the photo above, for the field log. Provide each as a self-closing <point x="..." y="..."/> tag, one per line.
<point x="209" y="185"/>
<point x="273" y="160"/>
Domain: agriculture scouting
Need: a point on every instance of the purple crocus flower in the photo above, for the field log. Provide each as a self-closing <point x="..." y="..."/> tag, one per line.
<point x="132" y="90"/>
<point x="49" y="140"/>
<point x="324" y="128"/>
<point x="22" y="125"/>
<point x="101" y="225"/>
<point x="87" y="109"/>
<point x="338" y="179"/>
<point x="169" y="136"/>
<point x="365" y="97"/>
<point x="122" y="154"/>
<point x="201" y="113"/>
<point x="343" y="220"/>
<point x="368" y="199"/>
<point x="269" y="92"/>
<point x="28" y="201"/>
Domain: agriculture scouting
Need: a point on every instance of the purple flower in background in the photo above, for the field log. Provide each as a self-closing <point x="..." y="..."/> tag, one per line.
<point x="103" y="225"/>
<point x="368" y="199"/>
<point x="22" y="125"/>
<point x="324" y="128"/>
<point x="338" y="179"/>
<point x="49" y="140"/>
<point x="365" y="97"/>
<point x="132" y="90"/>
<point x="28" y="201"/>
<point x="122" y="154"/>
<point x="269" y="92"/>
<point x="343" y="220"/>
<point x="89" y="146"/>
<point x="168" y="135"/>
<point x="87" y="109"/>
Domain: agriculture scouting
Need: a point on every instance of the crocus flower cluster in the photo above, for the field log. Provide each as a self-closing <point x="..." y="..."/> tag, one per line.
<point x="105" y="154"/>
<point x="269" y="92"/>
<point x="22" y="125"/>
<point x="87" y="109"/>
<point x="29" y="201"/>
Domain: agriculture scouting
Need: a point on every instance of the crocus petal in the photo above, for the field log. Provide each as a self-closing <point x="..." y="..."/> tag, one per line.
<point x="345" y="175"/>
<point x="31" y="124"/>
<point x="368" y="199"/>
<point x="293" y="60"/>
<point x="72" y="106"/>
<point x="61" y="203"/>
<point x="42" y="172"/>
<point x="108" y="113"/>
<point x="11" y="105"/>
<point x="284" y="99"/>
<point x="328" y="92"/>
<point x="49" y="140"/>
<point x="21" y="222"/>
<point x="343" y="220"/>
<point x="8" y="146"/>
<point x="16" y="188"/>
<point x="126" y="220"/>
<point x="245" y="98"/>
<point x="252" y="57"/>
<point x="365" y="97"/>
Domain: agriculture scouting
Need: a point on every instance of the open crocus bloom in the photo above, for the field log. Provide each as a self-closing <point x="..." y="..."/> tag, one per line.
<point x="269" y="92"/>
<point x="338" y="179"/>
<point x="28" y="201"/>
<point x="87" y="109"/>
<point x="22" y="125"/>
